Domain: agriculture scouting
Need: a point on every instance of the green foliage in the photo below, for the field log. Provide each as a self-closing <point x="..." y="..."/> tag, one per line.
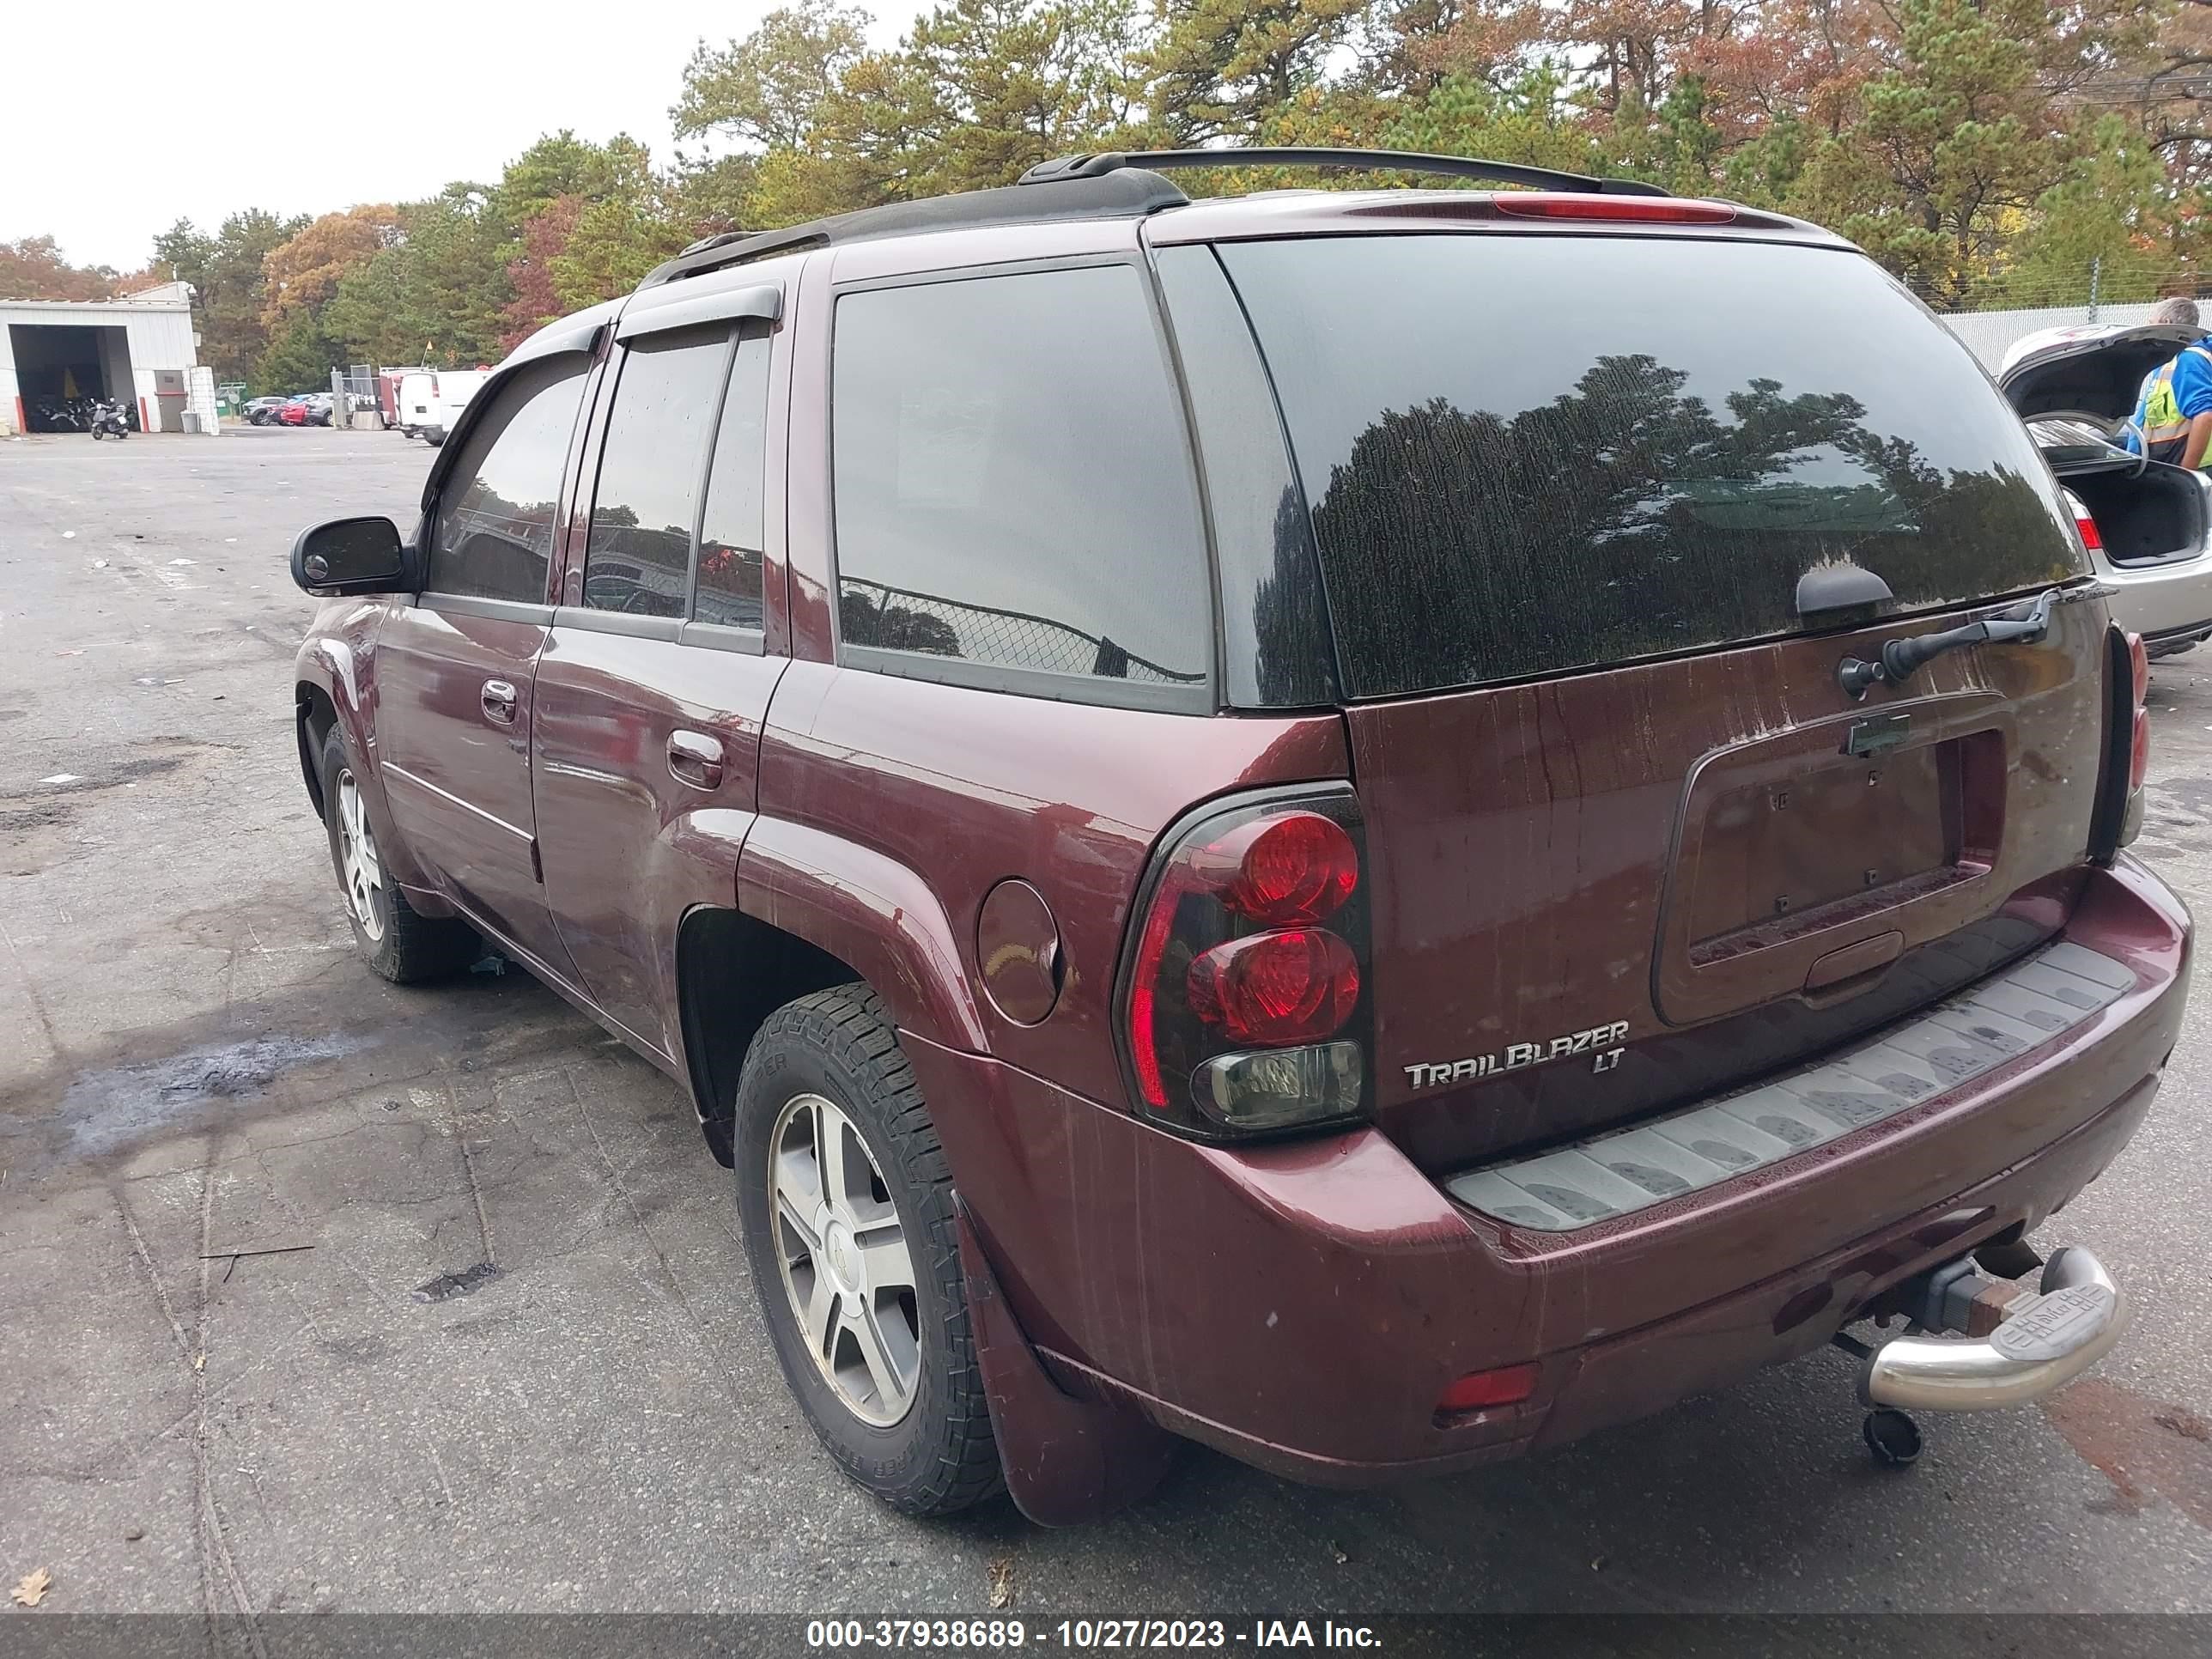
<point x="2113" y="213"/>
<point x="1969" y="145"/>
<point x="768" y="88"/>
<point x="299" y="359"/>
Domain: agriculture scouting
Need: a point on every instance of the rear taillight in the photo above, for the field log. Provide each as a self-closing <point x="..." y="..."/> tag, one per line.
<point x="1244" y="998"/>
<point x="1291" y="984"/>
<point x="2084" y="526"/>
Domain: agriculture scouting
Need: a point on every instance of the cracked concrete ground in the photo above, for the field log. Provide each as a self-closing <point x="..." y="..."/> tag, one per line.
<point x="520" y="1367"/>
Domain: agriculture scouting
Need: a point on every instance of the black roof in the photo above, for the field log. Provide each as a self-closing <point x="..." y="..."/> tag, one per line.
<point x="1111" y="184"/>
<point x="1127" y="193"/>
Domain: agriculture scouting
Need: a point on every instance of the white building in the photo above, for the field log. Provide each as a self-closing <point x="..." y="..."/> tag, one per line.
<point x="140" y="349"/>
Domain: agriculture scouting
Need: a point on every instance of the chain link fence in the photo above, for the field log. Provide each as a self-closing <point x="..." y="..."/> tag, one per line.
<point x="2064" y="302"/>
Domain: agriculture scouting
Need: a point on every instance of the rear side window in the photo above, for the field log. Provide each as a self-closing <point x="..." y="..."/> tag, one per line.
<point x="638" y="560"/>
<point x="1014" y="488"/>
<point x="730" y="540"/>
<point x="1527" y="454"/>
<point x="494" y="521"/>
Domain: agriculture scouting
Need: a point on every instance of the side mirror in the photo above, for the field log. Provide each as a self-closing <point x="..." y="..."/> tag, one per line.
<point x="350" y="555"/>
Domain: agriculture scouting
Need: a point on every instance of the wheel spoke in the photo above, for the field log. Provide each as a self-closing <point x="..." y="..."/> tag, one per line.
<point x="830" y="1132"/>
<point x="799" y="1172"/>
<point x="365" y="849"/>
<point x="798" y="1212"/>
<point x="820" y="1314"/>
<point x="891" y="1388"/>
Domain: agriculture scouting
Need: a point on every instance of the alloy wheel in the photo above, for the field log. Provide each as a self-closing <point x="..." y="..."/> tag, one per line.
<point x="360" y="869"/>
<point x="847" y="1267"/>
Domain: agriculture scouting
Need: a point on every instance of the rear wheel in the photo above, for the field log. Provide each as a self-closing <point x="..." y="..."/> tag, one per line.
<point x="394" y="938"/>
<point x="846" y="1204"/>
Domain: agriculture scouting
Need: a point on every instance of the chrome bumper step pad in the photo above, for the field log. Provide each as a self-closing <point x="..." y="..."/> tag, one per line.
<point x="1958" y="1040"/>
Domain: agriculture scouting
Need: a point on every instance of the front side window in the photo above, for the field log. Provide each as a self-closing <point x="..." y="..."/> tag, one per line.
<point x="730" y="539"/>
<point x="638" y="560"/>
<point x="1012" y="485"/>
<point x="494" y="538"/>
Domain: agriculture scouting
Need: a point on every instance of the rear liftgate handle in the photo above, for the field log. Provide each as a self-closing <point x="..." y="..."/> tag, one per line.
<point x="695" y="759"/>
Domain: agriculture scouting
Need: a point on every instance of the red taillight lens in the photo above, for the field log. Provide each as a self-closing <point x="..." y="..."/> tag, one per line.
<point x="1242" y="994"/>
<point x="1640" y="210"/>
<point x="2139" y="665"/>
<point x="1297" y="985"/>
<point x="2087" y="526"/>
<point x="1297" y="866"/>
<point x="1509" y="1385"/>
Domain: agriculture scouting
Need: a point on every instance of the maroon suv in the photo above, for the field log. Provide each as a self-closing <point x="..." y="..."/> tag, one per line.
<point x="1376" y="829"/>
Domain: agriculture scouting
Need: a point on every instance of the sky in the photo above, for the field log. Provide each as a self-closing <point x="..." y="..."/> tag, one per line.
<point x="200" y="111"/>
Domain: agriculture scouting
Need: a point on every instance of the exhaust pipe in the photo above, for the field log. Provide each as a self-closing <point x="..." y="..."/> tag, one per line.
<point x="2046" y="1341"/>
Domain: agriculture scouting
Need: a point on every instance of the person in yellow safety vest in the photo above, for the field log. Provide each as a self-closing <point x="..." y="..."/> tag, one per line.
<point x="2173" y="420"/>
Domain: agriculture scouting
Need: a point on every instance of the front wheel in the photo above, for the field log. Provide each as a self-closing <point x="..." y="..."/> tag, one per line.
<point x="397" y="941"/>
<point x="845" y="1201"/>
<point x="97" y="435"/>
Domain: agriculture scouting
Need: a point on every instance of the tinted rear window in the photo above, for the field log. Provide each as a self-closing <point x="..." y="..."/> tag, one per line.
<point x="1529" y="454"/>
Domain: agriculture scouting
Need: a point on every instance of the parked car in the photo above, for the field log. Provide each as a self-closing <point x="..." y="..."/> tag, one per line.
<point x="1274" y="821"/>
<point x="294" y="411"/>
<point x="262" y="412"/>
<point x="2145" y="523"/>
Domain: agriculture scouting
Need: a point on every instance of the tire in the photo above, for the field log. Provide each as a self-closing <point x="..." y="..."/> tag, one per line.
<point x="930" y="1453"/>
<point x="97" y="435"/>
<point x="400" y="943"/>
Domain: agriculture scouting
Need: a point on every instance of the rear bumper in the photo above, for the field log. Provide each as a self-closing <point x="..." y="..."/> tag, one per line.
<point x="1303" y="1307"/>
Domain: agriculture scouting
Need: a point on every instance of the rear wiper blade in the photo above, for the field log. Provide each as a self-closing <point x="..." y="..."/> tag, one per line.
<point x="2024" y="624"/>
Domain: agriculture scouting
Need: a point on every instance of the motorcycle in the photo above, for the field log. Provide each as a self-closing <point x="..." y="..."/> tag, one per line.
<point x="108" y="420"/>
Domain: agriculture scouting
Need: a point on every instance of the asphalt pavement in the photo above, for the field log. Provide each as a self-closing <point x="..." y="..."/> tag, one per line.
<point x="251" y="1360"/>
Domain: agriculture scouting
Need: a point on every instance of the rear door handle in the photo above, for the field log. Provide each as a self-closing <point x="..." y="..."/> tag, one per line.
<point x="499" y="702"/>
<point x="695" y="759"/>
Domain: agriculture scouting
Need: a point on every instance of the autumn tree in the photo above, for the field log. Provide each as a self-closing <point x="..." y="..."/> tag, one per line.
<point x="545" y="234"/>
<point x="303" y="272"/>
<point x="229" y="286"/>
<point x="1222" y="66"/>
<point x="33" y="269"/>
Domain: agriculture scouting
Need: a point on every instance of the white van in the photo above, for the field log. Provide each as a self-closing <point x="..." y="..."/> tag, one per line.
<point x="429" y="404"/>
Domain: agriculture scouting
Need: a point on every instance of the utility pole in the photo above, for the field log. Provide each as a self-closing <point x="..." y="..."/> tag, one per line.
<point x="2096" y="276"/>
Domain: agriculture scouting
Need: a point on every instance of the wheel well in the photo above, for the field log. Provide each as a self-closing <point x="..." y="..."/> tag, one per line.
<point x="733" y="971"/>
<point x="316" y="715"/>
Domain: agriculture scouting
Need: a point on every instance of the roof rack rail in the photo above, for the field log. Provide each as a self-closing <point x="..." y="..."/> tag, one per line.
<point x="1375" y="160"/>
<point x="1115" y="193"/>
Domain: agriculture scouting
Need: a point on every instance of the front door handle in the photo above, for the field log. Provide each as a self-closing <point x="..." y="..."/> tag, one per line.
<point x="499" y="702"/>
<point x="695" y="759"/>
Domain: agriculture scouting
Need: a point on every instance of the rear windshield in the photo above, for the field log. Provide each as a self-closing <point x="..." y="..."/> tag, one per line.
<point x="1528" y="454"/>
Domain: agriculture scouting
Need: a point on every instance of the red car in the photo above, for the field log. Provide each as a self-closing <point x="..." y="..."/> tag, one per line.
<point x="292" y="413"/>
<point x="1278" y="821"/>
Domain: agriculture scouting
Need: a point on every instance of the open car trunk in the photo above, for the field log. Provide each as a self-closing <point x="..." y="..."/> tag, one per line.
<point x="2077" y="388"/>
<point x="1631" y="842"/>
<point x="2146" y="513"/>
